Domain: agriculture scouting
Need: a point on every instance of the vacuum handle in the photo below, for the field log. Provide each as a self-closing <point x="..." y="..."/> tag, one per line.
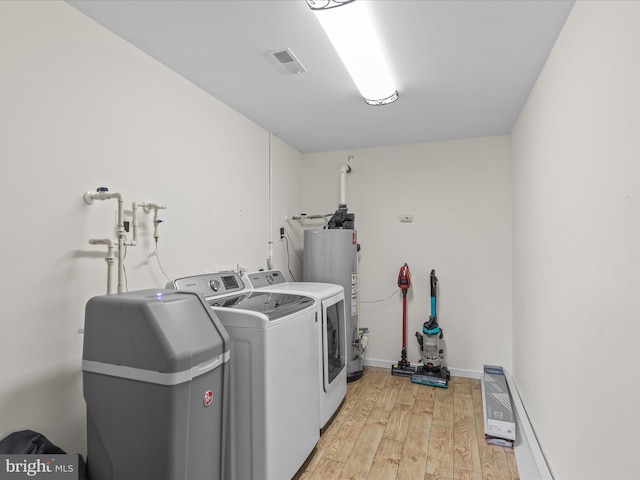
<point x="434" y="281"/>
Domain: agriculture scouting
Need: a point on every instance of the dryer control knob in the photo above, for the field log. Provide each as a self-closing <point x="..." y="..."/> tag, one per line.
<point x="215" y="285"/>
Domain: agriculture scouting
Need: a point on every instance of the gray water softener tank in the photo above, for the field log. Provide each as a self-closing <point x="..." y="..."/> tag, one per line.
<point x="155" y="381"/>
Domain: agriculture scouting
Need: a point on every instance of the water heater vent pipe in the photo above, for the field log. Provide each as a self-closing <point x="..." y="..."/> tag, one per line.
<point x="344" y="170"/>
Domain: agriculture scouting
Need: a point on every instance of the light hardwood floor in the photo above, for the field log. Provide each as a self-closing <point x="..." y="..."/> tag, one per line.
<point x="391" y="429"/>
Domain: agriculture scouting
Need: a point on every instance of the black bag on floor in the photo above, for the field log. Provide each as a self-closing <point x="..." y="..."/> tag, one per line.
<point x="28" y="442"/>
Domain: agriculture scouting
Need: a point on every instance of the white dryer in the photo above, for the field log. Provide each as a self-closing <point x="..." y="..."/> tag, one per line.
<point x="332" y="338"/>
<point x="274" y="374"/>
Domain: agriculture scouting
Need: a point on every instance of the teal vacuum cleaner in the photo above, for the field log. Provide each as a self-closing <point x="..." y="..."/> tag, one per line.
<point x="432" y="371"/>
<point x="403" y="367"/>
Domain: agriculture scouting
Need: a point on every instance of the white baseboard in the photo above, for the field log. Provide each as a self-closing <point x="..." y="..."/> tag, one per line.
<point x="531" y="462"/>
<point x="372" y="362"/>
<point x="456" y="372"/>
<point x="529" y="457"/>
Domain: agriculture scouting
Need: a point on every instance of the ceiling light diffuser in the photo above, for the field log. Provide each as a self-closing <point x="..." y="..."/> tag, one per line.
<point x="322" y="4"/>
<point x="351" y="32"/>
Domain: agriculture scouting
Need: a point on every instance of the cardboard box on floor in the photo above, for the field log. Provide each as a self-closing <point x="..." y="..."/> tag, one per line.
<point x="499" y="419"/>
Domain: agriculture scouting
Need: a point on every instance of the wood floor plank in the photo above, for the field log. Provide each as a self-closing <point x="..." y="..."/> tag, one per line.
<point x="460" y="474"/>
<point x="420" y="422"/>
<point x="371" y="434"/>
<point x="493" y="461"/>
<point x="408" y="392"/>
<point x="352" y="399"/>
<point x="440" y="454"/>
<point x="425" y="398"/>
<point x="398" y="424"/>
<point x="387" y="398"/>
<point x="466" y="455"/>
<point x="327" y="469"/>
<point x="511" y="462"/>
<point x="494" y="469"/>
<point x="376" y="377"/>
<point x="413" y="462"/>
<point x="476" y="397"/>
<point x="443" y="407"/>
<point x="391" y="429"/>
<point x="380" y="415"/>
<point x="395" y="381"/>
<point x="358" y="465"/>
<point x="368" y="400"/>
<point x="344" y="440"/>
<point x="331" y="431"/>
<point x="460" y="385"/>
<point x="386" y="460"/>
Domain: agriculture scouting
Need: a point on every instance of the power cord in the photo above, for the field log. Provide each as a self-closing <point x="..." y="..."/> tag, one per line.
<point x="382" y="299"/>
<point x="286" y="238"/>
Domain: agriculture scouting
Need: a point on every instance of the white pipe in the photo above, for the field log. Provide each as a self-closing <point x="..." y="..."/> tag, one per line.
<point x="270" y="237"/>
<point x="89" y="197"/>
<point x="109" y="258"/>
<point x="155" y="207"/>
<point x="147" y="206"/>
<point x="104" y="194"/>
<point x="134" y="222"/>
<point x="304" y="216"/>
<point x="120" y="232"/>
<point x="344" y="170"/>
<point x="152" y="206"/>
<point x="156" y="222"/>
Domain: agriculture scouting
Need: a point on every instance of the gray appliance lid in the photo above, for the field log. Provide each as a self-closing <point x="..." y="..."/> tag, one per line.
<point x="153" y="330"/>
<point x="272" y="304"/>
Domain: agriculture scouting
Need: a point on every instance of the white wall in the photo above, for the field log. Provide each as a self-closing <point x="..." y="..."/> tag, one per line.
<point x="459" y="195"/>
<point x="576" y="238"/>
<point x="80" y="108"/>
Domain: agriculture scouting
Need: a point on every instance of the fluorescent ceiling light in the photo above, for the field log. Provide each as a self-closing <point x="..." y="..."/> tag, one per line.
<point x="349" y="27"/>
<point x="320" y="4"/>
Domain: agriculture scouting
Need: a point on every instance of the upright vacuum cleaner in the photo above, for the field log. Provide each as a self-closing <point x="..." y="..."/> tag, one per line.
<point x="403" y="367"/>
<point x="432" y="372"/>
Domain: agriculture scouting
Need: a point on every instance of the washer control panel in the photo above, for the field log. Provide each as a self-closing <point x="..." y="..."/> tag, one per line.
<point x="264" y="279"/>
<point x="210" y="284"/>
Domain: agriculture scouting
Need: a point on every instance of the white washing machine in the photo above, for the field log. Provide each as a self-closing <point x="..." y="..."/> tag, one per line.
<point x="274" y="374"/>
<point x="332" y="338"/>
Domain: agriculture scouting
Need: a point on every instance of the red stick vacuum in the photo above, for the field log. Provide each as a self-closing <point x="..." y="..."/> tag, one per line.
<point x="403" y="367"/>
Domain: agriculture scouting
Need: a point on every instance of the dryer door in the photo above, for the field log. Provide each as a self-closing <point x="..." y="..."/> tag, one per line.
<point x="334" y="338"/>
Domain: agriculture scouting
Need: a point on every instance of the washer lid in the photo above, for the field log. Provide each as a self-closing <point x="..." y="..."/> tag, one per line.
<point x="272" y="304"/>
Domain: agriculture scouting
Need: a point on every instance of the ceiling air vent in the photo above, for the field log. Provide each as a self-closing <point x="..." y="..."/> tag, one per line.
<point x="287" y="60"/>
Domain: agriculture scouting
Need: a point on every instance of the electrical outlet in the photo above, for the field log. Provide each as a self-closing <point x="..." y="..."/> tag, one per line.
<point x="281" y="233"/>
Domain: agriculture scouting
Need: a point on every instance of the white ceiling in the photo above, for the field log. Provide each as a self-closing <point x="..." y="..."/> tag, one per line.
<point x="463" y="68"/>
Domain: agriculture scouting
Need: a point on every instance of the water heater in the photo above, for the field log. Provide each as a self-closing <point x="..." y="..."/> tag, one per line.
<point x="331" y="256"/>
